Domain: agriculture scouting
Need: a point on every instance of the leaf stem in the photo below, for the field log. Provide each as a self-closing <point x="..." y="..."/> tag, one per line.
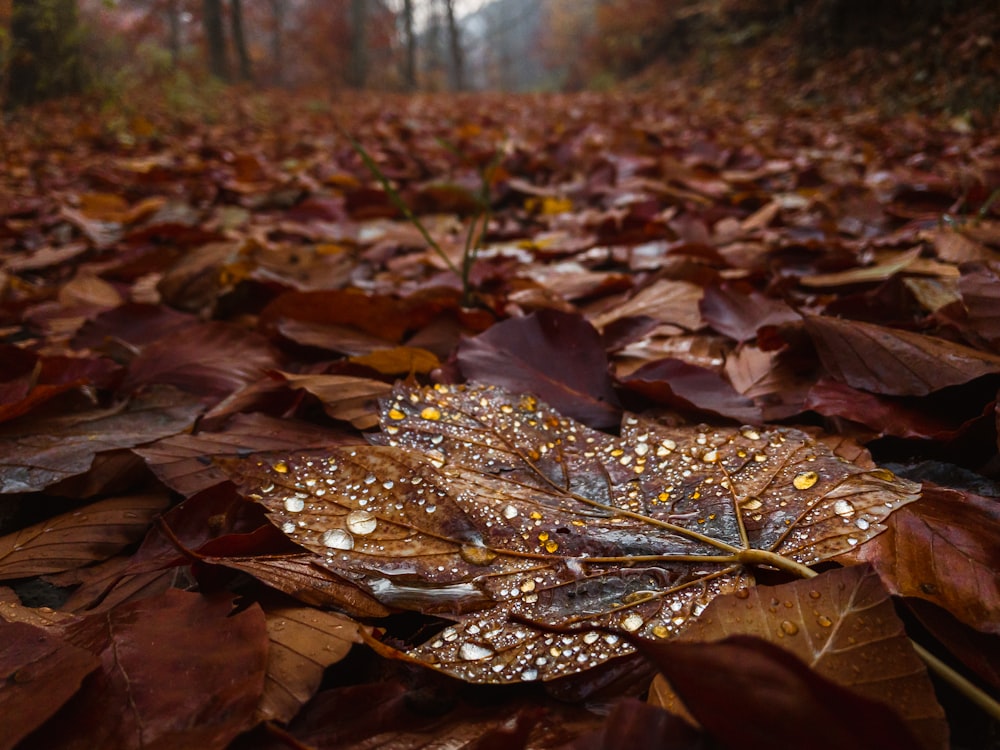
<point x="965" y="687"/>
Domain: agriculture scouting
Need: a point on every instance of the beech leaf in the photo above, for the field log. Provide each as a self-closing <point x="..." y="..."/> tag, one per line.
<point x="894" y="362"/>
<point x="494" y="509"/>
<point x="304" y="641"/>
<point x="842" y="624"/>
<point x="71" y="540"/>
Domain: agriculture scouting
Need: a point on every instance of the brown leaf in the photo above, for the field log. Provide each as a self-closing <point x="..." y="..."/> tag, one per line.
<point x="842" y="624"/>
<point x="72" y="540"/>
<point x="42" y="452"/>
<point x="495" y="509"/>
<point x="346" y="397"/>
<point x="753" y="695"/>
<point x="894" y="362"/>
<point x="211" y="359"/>
<point x="667" y="301"/>
<point x="945" y="549"/>
<point x="149" y="691"/>
<point x="739" y="313"/>
<point x="556" y="355"/>
<point x="182" y="461"/>
<point x="400" y="360"/>
<point x="40" y="672"/>
<point x="304" y="642"/>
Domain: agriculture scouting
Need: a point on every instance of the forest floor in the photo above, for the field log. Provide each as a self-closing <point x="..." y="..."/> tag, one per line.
<point x="215" y="330"/>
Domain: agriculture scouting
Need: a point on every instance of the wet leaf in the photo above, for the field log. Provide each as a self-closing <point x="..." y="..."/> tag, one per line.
<point x="81" y="537"/>
<point x="894" y="362"/>
<point x="304" y="642"/>
<point x="40" y="672"/>
<point x="945" y="549"/>
<point x="496" y="510"/>
<point x="842" y="624"/>
<point x="739" y="313"/>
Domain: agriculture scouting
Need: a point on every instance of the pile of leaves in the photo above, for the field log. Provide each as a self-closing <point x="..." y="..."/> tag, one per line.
<point x="709" y="432"/>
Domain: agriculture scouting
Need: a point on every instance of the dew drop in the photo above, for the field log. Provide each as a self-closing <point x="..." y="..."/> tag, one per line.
<point x="288" y="527"/>
<point x="814" y="595"/>
<point x="337" y="539"/>
<point x="824" y="621"/>
<point x="269" y="487"/>
<point x="281" y="467"/>
<point x="661" y="631"/>
<point x="430" y="412"/>
<point x="396" y="414"/>
<point x="752" y="503"/>
<point x="710" y="457"/>
<point x="370" y="479"/>
<point x="388" y="484"/>
<point x="591" y="637"/>
<point x="805" y="480"/>
<point x="852" y="541"/>
<point x="509" y="512"/>
<point x="529" y="675"/>
<point x="743" y="594"/>
<point x="843" y="508"/>
<point x="863" y="524"/>
<point x="294" y="504"/>
<point x="476" y="555"/>
<point x="789" y="628"/>
<point x="749" y="433"/>
<point x="474" y="652"/>
<point x="632" y="623"/>
<point x="361" y="522"/>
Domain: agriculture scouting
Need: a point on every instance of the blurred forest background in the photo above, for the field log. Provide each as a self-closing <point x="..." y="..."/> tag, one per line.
<point x="931" y="55"/>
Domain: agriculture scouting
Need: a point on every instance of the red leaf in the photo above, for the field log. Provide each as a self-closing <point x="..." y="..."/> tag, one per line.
<point x="689" y="387"/>
<point x="40" y="672"/>
<point x="752" y="695"/>
<point x="740" y="314"/>
<point x="944" y="548"/>
<point x="210" y="359"/>
<point x="150" y="691"/>
<point x="555" y="355"/>
<point x="894" y="362"/>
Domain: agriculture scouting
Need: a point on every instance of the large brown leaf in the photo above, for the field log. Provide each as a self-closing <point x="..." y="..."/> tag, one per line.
<point x="945" y="549"/>
<point x="842" y="624"/>
<point x="40" y="672"/>
<point x="71" y="540"/>
<point x="496" y="510"/>
<point x="894" y="362"/>
<point x="149" y="691"/>
<point x="42" y="452"/>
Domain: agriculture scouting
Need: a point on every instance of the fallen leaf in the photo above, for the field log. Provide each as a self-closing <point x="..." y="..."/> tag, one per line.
<point x="945" y="549"/>
<point x="497" y="510"/>
<point x="691" y="388"/>
<point x="841" y="624"/>
<point x="304" y="642"/>
<point x="42" y="452"/>
<point x="40" y="672"/>
<point x="894" y="362"/>
<point x="739" y="312"/>
<point x="556" y="355"/>
<point x="751" y="694"/>
<point x="71" y="540"/>
<point x="149" y="692"/>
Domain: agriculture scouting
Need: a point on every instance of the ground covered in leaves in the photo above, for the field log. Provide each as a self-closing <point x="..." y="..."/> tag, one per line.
<point x="237" y="513"/>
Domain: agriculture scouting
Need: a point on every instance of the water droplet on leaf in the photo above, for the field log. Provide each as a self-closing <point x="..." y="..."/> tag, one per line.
<point x="805" y="480"/>
<point x="337" y="539"/>
<point x="474" y="652"/>
<point x="361" y="522"/>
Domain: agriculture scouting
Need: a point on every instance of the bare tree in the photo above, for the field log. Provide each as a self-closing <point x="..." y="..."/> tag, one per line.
<point x="239" y="41"/>
<point x="277" y="40"/>
<point x="174" y="25"/>
<point x="357" y="71"/>
<point x="215" y="38"/>
<point x="410" y="62"/>
<point x="455" y="46"/>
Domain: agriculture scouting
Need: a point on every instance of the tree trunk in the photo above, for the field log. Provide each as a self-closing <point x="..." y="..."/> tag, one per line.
<point x="239" y="41"/>
<point x="215" y="38"/>
<point x="410" y="63"/>
<point x="277" y="40"/>
<point x="45" y="60"/>
<point x="455" y="46"/>
<point x="174" y="21"/>
<point x="357" y="71"/>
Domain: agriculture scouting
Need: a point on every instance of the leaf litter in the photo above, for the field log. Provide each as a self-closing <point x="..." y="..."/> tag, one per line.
<point x="167" y="317"/>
